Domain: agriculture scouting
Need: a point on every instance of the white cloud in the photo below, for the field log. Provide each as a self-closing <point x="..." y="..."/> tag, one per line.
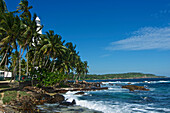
<point x="147" y="38"/>
<point x="105" y="55"/>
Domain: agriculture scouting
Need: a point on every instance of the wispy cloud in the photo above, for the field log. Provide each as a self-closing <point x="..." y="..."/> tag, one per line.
<point x="105" y="55"/>
<point x="147" y="38"/>
<point x="161" y="13"/>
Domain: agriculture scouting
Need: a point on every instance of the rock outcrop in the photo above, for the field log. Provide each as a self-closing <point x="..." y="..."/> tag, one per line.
<point x="134" y="87"/>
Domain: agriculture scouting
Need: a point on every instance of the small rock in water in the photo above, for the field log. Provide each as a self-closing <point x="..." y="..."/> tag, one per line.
<point x="134" y="87"/>
<point x="73" y="102"/>
<point x="79" y="93"/>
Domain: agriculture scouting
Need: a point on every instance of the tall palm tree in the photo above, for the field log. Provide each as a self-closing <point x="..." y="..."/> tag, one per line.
<point x="3" y="7"/>
<point x="10" y="25"/>
<point x="52" y="46"/>
<point x="85" y="68"/>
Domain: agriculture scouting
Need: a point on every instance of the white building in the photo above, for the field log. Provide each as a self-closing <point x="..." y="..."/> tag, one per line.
<point x="5" y="74"/>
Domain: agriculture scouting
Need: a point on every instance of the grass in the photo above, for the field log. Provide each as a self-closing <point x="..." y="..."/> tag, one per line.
<point x="8" y="96"/>
<point x="3" y="87"/>
<point x="22" y="93"/>
<point x="12" y="95"/>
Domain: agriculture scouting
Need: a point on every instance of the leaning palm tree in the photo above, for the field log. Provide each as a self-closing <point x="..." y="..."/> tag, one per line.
<point x="10" y="25"/>
<point x="52" y="46"/>
<point x="85" y="68"/>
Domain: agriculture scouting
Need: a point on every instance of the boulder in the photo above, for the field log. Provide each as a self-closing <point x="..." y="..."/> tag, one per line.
<point x="79" y="93"/>
<point x="49" y="89"/>
<point x="61" y="91"/>
<point x="57" y="98"/>
<point x="134" y="87"/>
<point x="68" y="103"/>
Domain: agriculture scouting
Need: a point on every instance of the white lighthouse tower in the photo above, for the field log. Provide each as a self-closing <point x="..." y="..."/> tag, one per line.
<point x="37" y="20"/>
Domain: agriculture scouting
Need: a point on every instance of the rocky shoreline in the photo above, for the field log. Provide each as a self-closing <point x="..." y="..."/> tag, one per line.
<point x="51" y="95"/>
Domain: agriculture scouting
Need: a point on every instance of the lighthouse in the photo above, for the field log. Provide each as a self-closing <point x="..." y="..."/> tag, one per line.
<point x="37" y="20"/>
<point x="39" y="30"/>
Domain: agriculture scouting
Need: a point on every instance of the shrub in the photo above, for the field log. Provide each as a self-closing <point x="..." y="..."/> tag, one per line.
<point x="50" y="78"/>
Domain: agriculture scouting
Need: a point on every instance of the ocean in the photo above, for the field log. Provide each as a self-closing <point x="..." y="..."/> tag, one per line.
<point x="119" y="100"/>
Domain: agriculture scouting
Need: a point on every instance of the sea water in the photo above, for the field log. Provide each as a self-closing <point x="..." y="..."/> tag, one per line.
<point x="119" y="100"/>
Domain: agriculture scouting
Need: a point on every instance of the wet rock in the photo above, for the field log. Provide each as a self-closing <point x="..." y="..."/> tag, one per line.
<point x="111" y="84"/>
<point x="79" y="93"/>
<point x="134" y="87"/>
<point x="61" y="91"/>
<point x="49" y="89"/>
<point x="68" y="103"/>
<point x="84" y="81"/>
<point x="57" y="98"/>
<point x="33" y="89"/>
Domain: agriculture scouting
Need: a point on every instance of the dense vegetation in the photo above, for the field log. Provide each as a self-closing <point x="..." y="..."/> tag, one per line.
<point x="119" y="76"/>
<point x="25" y="51"/>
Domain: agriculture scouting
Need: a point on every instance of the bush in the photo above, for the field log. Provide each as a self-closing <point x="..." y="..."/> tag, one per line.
<point x="50" y="78"/>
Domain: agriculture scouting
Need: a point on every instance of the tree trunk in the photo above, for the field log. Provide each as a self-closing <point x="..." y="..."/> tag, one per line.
<point x="47" y="61"/>
<point x="4" y="56"/>
<point x="27" y="62"/>
<point x="79" y="77"/>
<point x="20" y="63"/>
<point x="5" y="68"/>
<point x="15" y="68"/>
<point x="53" y="66"/>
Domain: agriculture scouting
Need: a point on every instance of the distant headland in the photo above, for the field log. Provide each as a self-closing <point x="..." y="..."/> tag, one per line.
<point x="131" y="75"/>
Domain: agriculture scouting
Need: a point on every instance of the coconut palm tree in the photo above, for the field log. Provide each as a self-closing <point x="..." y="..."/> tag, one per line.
<point x="3" y="7"/>
<point x="11" y="26"/>
<point x="52" y="46"/>
<point x="85" y="68"/>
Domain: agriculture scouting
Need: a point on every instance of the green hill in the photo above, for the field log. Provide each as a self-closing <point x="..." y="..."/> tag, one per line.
<point x="121" y="76"/>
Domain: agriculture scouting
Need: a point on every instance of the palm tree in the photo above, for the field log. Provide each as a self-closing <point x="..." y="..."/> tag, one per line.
<point x="10" y="25"/>
<point x="85" y="68"/>
<point x="3" y="7"/>
<point x="30" y="28"/>
<point x="52" y="46"/>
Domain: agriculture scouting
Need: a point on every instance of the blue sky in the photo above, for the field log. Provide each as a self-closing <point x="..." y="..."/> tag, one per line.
<point x="114" y="36"/>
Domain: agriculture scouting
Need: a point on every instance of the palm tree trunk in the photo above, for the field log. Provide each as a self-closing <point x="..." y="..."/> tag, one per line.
<point x="15" y="68"/>
<point x="53" y="66"/>
<point x="27" y="62"/>
<point x="4" y="56"/>
<point x="20" y="63"/>
<point x="5" y="67"/>
<point x="79" y="77"/>
<point x="46" y="61"/>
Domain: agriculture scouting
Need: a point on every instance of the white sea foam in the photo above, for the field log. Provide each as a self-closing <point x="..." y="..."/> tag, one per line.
<point x="120" y="82"/>
<point x="112" y="107"/>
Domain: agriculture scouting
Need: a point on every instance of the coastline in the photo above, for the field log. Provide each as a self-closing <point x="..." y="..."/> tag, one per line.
<point x="46" y="96"/>
<point x="129" y="78"/>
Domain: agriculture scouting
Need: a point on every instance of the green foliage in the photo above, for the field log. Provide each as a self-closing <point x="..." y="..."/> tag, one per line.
<point x="50" y="78"/>
<point x="119" y="76"/>
<point x="0" y="96"/>
<point x="48" y="51"/>
<point x="22" y="93"/>
<point x="8" y="96"/>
